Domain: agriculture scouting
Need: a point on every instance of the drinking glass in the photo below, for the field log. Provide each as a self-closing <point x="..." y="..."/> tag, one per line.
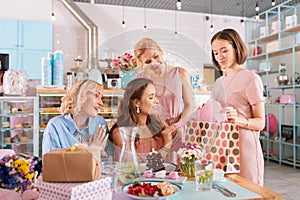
<point x="203" y="175"/>
<point x="109" y="169"/>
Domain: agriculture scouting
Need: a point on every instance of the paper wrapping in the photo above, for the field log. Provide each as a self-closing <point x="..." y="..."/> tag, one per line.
<point x="66" y="165"/>
<point x="95" y="190"/>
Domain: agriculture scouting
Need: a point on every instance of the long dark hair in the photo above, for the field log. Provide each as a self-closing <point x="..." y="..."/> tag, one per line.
<point x="127" y="110"/>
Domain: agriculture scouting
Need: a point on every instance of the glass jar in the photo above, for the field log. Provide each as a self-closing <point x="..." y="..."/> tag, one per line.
<point x="187" y="167"/>
<point x="128" y="168"/>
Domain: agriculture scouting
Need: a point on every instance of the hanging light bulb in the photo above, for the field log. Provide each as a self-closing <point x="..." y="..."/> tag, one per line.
<point x="211" y="22"/>
<point x="178" y="4"/>
<point x="92" y="1"/>
<point x="257" y="7"/>
<point x="273" y="3"/>
<point x="242" y="22"/>
<point x="257" y="16"/>
<point x="53" y="18"/>
<point x="123" y="20"/>
<point x="145" y="18"/>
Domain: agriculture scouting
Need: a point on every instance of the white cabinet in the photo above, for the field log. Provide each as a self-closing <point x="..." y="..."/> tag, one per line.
<point x="18" y="130"/>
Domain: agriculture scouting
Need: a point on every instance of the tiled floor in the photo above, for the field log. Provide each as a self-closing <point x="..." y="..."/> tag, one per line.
<point x="283" y="179"/>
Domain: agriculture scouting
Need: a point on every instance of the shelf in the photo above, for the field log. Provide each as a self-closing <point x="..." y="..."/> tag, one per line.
<point x="280" y="52"/>
<point x="284" y="105"/>
<point x="285" y="87"/>
<point x="261" y="73"/>
<point x="275" y="36"/>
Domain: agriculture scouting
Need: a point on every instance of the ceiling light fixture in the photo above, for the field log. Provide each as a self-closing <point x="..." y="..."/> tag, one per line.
<point x="92" y="1"/>
<point x="145" y="18"/>
<point x="211" y="21"/>
<point x="123" y="19"/>
<point x="175" y="22"/>
<point x="273" y="3"/>
<point x="243" y="14"/>
<point x="257" y="7"/>
<point x="257" y="16"/>
<point x="53" y="18"/>
<point x="178" y="4"/>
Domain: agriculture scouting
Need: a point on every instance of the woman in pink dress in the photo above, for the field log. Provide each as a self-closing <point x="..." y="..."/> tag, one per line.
<point x="135" y="110"/>
<point x="240" y="92"/>
<point x="172" y="84"/>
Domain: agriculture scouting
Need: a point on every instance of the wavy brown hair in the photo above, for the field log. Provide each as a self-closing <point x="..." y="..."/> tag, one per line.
<point x="127" y="109"/>
<point x="235" y="40"/>
<point x="76" y="96"/>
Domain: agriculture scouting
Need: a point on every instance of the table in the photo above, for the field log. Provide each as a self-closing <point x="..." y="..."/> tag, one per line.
<point x="245" y="190"/>
<point x="262" y="191"/>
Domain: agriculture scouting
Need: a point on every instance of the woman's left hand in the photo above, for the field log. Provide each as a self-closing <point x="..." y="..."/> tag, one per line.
<point x="99" y="138"/>
<point x="231" y="114"/>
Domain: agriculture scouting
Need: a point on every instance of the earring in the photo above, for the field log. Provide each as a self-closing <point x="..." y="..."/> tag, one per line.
<point x="138" y="110"/>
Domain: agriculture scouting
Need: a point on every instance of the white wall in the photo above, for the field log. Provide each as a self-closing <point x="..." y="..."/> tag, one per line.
<point x="70" y="36"/>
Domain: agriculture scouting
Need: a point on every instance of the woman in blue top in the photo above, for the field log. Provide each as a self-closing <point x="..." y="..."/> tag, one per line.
<point x="79" y="122"/>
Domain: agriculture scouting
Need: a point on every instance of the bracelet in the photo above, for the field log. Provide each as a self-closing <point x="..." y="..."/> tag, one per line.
<point x="166" y="149"/>
<point x="248" y="123"/>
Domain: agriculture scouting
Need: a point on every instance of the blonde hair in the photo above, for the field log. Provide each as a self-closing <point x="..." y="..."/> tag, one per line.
<point x="141" y="47"/>
<point x="76" y="96"/>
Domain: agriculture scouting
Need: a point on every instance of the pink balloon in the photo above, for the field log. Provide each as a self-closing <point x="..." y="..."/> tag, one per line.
<point x="273" y="123"/>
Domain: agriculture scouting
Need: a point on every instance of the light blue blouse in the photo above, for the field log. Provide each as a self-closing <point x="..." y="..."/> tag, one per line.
<point x="61" y="130"/>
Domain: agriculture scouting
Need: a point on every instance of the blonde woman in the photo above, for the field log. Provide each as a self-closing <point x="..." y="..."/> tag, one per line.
<point x="172" y="84"/>
<point x="79" y="122"/>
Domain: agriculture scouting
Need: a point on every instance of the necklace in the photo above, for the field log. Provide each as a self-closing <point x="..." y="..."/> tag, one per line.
<point x="230" y="81"/>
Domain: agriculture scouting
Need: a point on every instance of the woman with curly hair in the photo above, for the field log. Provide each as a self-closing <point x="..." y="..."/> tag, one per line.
<point x="135" y="109"/>
<point x="79" y="122"/>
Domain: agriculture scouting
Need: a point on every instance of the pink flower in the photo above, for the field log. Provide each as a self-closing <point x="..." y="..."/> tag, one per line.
<point x="125" y="62"/>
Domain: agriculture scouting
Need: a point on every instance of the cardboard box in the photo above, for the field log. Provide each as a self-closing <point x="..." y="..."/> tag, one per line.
<point x="69" y="165"/>
<point x="290" y="21"/>
<point x="263" y="31"/>
<point x="275" y="26"/>
<point x="95" y="190"/>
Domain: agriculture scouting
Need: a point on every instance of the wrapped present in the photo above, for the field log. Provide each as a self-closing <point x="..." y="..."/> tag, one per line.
<point x="94" y="190"/>
<point x="75" y="164"/>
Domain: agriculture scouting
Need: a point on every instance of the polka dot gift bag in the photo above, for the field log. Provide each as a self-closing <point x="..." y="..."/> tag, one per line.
<point x="220" y="141"/>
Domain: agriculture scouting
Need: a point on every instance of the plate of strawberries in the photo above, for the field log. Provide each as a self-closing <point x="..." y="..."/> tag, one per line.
<point x="151" y="190"/>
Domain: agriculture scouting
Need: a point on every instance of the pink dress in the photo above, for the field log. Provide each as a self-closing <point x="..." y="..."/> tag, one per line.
<point x="169" y="94"/>
<point x="240" y="91"/>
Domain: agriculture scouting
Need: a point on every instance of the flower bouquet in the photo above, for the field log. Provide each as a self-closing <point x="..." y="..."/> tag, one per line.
<point x="17" y="173"/>
<point x="188" y="155"/>
<point x="125" y="62"/>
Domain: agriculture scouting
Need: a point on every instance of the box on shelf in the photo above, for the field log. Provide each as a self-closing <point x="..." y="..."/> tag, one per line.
<point x="275" y="26"/>
<point x="94" y="190"/>
<point x="263" y="31"/>
<point x="290" y="21"/>
<point x="287" y="131"/>
<point x="272" y="46"/>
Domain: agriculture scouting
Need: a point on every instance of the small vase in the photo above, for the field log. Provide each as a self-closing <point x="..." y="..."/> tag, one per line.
<point x="187" y="167"/>
<point x="127" y="77"/>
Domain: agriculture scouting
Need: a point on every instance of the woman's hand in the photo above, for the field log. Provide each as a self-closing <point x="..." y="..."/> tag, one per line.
<point x="99" y="138"/>
<point x="231" y="114"/>
<point x="168" y="133"/>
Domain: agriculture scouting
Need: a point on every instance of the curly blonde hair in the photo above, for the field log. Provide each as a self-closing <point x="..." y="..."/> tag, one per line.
<point x="75" y="98"/>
